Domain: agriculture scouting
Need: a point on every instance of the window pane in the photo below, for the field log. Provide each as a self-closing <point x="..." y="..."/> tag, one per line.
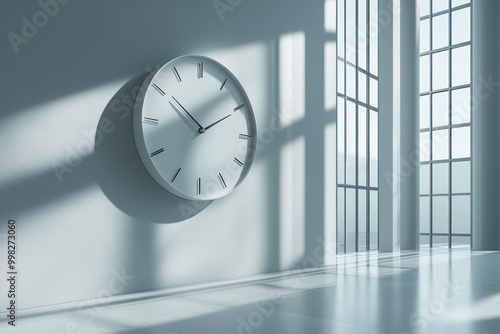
<point x="340" y="220"/>
<point x="461" y="104"/>
<point x="425" y="83"/>
<point x="340" y="28"/>
<point x="373" y="28"/>
<point x="440" y="178"/>
<point x="424" y="240"/>
<point x="459" y="240"/>
<point x="351" y="81"/>
<point x="460" y="177"/>
<point x="440" y="214"/>
<point x="362" y="34"/>
<point x="425" y="32"/>
<point x="362" y="87"/>
<point x="350" y="220"/>
<point x="362" y="152"/>
<point x="425" y="146"/>
<point x="351" y="143"/>
<point x="425" y="7"/>
<point x="373" y="148"/>
<point x="351" y="31"/>
<point x="425" y="214"/>
<point x="440" y="35"/>
<point x="460" y="29"/>
<point x="373" y="220"/>
<point x="340" y="140"/>
<point x="440" y="70"/>
<point x="438" y="240"/>
<point x="362" y="210"/>
<point x="340" y="77"/>
<point x="425" y="177"/>
<point x="460" y="214"/>
<point x="455" y="3"/>
<point x="461" y="66"/>
<point x="440" y="109"/>
<point x="373" y="92"/>
<point x="440" y="145"/>
<point x="461" y="143"/>
<point x="439" y="5"/>
<point x="425" y="112"/>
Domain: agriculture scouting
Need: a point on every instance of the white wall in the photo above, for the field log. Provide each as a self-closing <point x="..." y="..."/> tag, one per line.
<point x="108" y="215"/>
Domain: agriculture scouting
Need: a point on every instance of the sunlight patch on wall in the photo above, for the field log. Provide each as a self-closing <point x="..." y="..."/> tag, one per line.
<point x="292" y="203"/>
<point x="331" y="16"/>
<point x="250" y="64"/>
<point x="292" y="71"/>
<point x="330" y="76"/>
<point x="57" y="131"/>
<point x="330" y="197"/>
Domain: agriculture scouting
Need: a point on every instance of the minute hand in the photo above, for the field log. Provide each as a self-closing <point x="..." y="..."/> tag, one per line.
<point x="200" y="128"/>
<point x="220" y="120"/>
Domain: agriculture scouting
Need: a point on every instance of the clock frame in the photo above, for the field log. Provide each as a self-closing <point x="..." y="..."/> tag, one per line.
<point x="194" y="128"/>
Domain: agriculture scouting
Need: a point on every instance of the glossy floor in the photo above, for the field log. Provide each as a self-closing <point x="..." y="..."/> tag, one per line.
<point x="431" y="291"/>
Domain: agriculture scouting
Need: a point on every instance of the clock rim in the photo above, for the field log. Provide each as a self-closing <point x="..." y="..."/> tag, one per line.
<point x="141" y="144"/>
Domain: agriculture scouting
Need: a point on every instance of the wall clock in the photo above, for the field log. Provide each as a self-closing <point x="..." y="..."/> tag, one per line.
<point x="194" y="128"/>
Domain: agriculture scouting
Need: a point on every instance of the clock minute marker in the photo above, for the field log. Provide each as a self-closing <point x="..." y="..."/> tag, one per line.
<point x="176" y="173"/>
<point x="238" y="162"/>
<point x="151" y="121"/>
<point x="159" y="90"/>
<point x="198" y="186"/>
<point x="222" y="181"/>
<point x="200" y="70"/>
<point x="239" y="107"/>
<point x="176" y="73"/>
<point x="161" y="150"/>
<point x="242" y="136"/>
<point x="223" y="84"/>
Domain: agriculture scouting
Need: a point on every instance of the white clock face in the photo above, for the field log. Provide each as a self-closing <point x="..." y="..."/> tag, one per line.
<point x="194" y="128"/>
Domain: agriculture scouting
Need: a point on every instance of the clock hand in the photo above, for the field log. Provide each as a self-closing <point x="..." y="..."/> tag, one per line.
<point x="220" y="120"/>
<point x="190" y="124"/>
<point x="200" y="128"/>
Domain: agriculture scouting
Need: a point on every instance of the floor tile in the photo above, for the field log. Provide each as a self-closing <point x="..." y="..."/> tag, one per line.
<point x="138" y="310"/>
<point x="371" y="313"/>
<point x="303" y="324"/>
<point x="219" y="319"/>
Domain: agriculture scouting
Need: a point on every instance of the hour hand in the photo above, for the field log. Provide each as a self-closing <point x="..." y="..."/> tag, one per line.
<point x="220" y="120"/>
<point x="200" y="128"/>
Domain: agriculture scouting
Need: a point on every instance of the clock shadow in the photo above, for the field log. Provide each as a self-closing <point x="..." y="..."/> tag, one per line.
<point x="119" y="169"/>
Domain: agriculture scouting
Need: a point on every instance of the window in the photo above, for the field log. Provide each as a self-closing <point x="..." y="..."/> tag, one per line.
<point x="357" y="124"/>
<point x="445" y="122"/>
